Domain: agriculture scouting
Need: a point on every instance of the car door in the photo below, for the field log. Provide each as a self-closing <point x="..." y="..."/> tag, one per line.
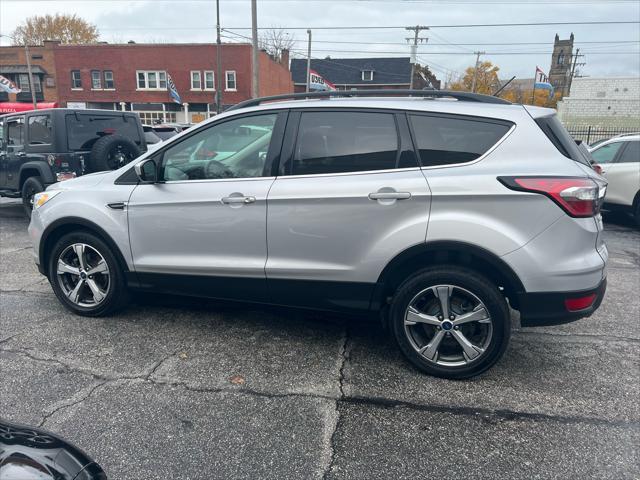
<point x="349" y="197"/>
<point x="620" y="162"/>
<point x="14" y="154"/>
<point x="202" y="229"/>
<point x="623" y="174"/>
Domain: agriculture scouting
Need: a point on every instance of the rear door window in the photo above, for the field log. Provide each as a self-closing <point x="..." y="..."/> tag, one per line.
<point x="39" y="130"/>
<point x="341" y="142"/>
<point x="631" y="153"/>
<point x="83" y="129"/>
<point x="449" y="141"/>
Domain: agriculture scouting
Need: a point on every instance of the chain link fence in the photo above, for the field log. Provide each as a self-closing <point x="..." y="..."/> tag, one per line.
<point x="590" y="134"/>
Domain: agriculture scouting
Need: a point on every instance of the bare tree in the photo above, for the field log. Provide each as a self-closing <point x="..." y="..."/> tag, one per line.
<point x="66" y="28"/>
<point x="275" y="41"/>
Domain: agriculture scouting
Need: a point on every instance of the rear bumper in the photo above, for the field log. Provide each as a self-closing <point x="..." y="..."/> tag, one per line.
<point x="542" y="308"/>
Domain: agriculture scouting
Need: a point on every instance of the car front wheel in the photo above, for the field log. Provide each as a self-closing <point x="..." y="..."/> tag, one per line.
<point x="450" y="322"/>
<point x="85" y="275"/>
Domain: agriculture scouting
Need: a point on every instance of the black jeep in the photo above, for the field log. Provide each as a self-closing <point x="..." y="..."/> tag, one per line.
<point x="41" y="147"/>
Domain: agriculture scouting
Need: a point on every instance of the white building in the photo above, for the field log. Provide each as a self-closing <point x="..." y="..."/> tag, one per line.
<point x="602" y="102"/>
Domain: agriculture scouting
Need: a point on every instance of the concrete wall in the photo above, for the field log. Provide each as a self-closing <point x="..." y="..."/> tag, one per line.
<point x="605" y="102"/>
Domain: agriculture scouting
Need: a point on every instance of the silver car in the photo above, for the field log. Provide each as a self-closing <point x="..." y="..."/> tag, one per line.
<point x="618" y="160"/>
<point x="437" y="212"/>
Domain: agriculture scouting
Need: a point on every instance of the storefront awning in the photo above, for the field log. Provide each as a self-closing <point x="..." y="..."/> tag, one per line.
<point x="13" y="107"/>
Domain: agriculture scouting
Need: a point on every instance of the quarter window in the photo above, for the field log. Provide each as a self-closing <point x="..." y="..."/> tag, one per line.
<point x="338" y="142"/>
<point x="15" y="133"/>
<point x="631" y="154"/>
<point x="606" y="153"/>
<point x="231" y="80"/>
<point x="76" y="80"/>
<point x="234" y="149"/>
<point x="39" y="130"/>
<point x="108" y="79"/>
<point x="196" y="83"/>
<point x="447" y="141"/>
<point x="96" y="80"/>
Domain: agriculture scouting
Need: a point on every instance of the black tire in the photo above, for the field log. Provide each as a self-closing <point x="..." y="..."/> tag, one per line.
<point x="31" y="186"/>
<point x="111" y="152"/>
<point x="636" y="211"/>
<point x="116" y="295"/>
<point x="471" y="281"/>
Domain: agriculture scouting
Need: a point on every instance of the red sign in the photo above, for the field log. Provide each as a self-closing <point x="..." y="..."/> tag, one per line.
<point x="13" y="107"/>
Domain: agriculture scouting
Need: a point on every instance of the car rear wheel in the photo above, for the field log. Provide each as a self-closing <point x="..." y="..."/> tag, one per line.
<point x="31" y="186"/>
<point x="450" y="322"/>
<point x="85" y="275"/>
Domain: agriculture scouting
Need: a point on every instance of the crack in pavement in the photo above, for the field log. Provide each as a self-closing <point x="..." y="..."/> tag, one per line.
<point x="344" y="358"/>
<point x="72" y="403"/>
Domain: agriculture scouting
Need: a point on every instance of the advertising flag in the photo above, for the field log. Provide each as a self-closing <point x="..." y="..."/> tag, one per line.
<point x="542" y="81"/>
<point x="173" y="91"/>
<point x="8" y="86"/>
<point x="318" y="82"/>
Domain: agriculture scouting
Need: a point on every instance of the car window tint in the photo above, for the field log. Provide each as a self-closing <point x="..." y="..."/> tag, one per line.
<point x="631" y="154"/>
<point x="606" y="153"/>
<point x="40" y="130"/>
<point x="446" y="140"/>
<point x="560" y="138"/>
<point x="83" y="129"/>
<point x="15" y="133"/>
<point x="338" y="142"/>
<point x="233" y="149"/>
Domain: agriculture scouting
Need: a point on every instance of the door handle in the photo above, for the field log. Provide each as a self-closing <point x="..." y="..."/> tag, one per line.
<point x="237" y="200"/>
<point x="389" y="195"/>
<point x="22" y="154"/>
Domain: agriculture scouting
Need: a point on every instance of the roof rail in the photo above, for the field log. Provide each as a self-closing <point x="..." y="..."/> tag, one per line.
<point x="627" y="134"/>
<point x="462" y="96"/>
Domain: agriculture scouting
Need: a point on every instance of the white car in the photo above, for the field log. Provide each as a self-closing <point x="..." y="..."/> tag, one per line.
<point x="618" y="159"/>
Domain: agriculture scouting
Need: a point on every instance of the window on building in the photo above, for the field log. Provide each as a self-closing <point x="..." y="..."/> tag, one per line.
<point x="76" y="80"/>
<point x="339" y="142"/>
<point x="153" y="118"/>
<point x="367" y="75"/>
<point x="196" y="81"/>
<point x="209" y="83"/>
<point x="152" y="80"/>
<point x="108" y="80"/>
<point x="446" y="141"/>
<point x="96" y="80"/>
<point x="561" y="58"/>
<point x="40" y="130"/>
<point x="231" y="80"/>
<point x="25" y="86"/>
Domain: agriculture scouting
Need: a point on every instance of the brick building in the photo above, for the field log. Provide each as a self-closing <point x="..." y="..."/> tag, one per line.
<point x="363" y="73"/>
<point x="135" y="77"/>
<point x="13" y="65"/>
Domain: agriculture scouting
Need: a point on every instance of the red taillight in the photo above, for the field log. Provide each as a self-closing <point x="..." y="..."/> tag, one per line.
<point x="579" y="197"/>
<point x="576" y="304"/>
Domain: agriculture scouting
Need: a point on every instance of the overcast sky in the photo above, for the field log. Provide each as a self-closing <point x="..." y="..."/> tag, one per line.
<point x="194" y="21"/>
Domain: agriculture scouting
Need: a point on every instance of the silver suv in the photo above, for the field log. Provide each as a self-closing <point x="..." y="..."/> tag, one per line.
<point x="438" y="211"/>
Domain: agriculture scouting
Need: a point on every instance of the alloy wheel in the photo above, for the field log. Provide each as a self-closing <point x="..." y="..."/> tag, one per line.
<point x="448" y="325"/>
<point x="83" y="275"/>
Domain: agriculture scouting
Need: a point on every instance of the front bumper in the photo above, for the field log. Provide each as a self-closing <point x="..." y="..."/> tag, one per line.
<point x="548" y="308"/>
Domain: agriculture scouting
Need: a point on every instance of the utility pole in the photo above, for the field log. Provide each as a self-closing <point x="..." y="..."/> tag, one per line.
<point x="414" y="47"/>
<point x="255" y="85"/>
<point x="309" y="62"/>
<point x="573" y="70"/>
<point x="31" y="86"/>
<point x="475" y="71"/>
<point x="218" y="61"/>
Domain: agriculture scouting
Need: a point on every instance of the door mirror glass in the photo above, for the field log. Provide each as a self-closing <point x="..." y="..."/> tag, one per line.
<point x="147" y="171"/>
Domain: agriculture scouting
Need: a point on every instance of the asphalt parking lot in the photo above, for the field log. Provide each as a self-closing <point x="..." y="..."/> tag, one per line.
<point x="174" y="388"/>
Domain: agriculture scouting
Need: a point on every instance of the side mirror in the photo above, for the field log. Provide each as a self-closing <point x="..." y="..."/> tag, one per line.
<point x="147" y="171"/>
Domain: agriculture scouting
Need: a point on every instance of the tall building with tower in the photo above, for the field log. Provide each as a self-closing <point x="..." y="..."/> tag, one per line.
<point x="561" y="60"/>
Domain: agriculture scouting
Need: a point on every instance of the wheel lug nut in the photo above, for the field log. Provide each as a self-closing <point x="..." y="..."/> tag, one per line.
<point x="456" y="327"/>
<point x="438" y="328"/>
<point x="440" y="317"/>
<point x="452" y="317"/>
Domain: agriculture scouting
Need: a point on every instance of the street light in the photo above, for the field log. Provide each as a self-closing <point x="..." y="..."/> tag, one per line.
<point x="30" y="75"/>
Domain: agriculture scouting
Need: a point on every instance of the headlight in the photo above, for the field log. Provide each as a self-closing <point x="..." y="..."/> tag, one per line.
<point x="39" y="199"/>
